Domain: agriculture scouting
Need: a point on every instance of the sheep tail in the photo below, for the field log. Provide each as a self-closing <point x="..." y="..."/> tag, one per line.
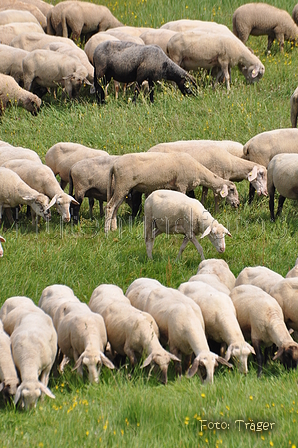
<point x="110" y="182"/>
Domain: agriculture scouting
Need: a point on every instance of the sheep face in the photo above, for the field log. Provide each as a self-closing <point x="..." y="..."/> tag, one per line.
<point x="258" y="179"/>
<point x="62" y="204"/>
<point x="29" y="392"/>
<point x="9" y="388"/>
<point x="216" y="234"/>
<point x="162" y="360"/>
<point x="205" y="363"/>
<point x="253" y="73"/>
<point x="240" y="352"/>
<point x="32" y="104"/>
<point x="41" y="206"/>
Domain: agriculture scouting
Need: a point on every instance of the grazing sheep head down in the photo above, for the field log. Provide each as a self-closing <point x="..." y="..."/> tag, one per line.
<point x="252" y="73"/>
<point x="240" y="352"/>
<point x="258" y="179"/>
<point x="162" y="360"/>
<point x="9" y="387"/>
<point x="2" y="240"/>
<point x="288" y="355"/>
<point x="29" y="392"/>
<point x="207" y="362"/>
<point x="74" y="82"/>
<point x="41" y="206"/>
<point x="216" y="233"/>
<point x="93" y="364"/>
<point x="32" y="104"/>
<point x="229" y="191"/>
<point x="62" y="203"/>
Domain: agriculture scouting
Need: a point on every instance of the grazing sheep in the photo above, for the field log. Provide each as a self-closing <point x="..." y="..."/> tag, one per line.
<point x="261" y="320"/>
<point x="13" y="310"/>
<point x="181" y="325"/>
<point x="259" y="276"/>
<point x="11" y="62"/>
<point x="15" y="191"/>
<point x="12" y="30"/>
<point x="12" y="93"/>
<point x="282" y="176"/>
<point x="294" y="107"/>
<point x="41" y="178"/>
<point x="8" y="375"/>
<point x="46" y="68"/>
<point x="9" y="152"/>
<point x="215" y="156"/>
<point x="42" y="5"/>
<point x="63" y="155"/>
<point x="34" y="41"/>
<point x="219" y="268"/>
<point x="220" y="320"/>
<point x="158" y="37"/>
<point x="192" y="50"/>
<point x="82" y="336"/>
<point x="53" y="296"/>
<point x="77" y="19"/>
<point x="285" y="292"/>
<point x="22" y="6"/>
<point x="201" y="25"/>
<point x="146" y="172"/>
<point x="11" y="15"/>
<point x="128" y="62"/>
<point x="211" y="280"/>
<point x="95" y="40"/>
<point x="2" y="240"/>
<point x="259" y="19"/>
<point x="130" y="331"/>
<point x="139" y="290"/>
<point x="121" y="35"/>
<point x="171" y="212"/>
<point x="34" y="348"/>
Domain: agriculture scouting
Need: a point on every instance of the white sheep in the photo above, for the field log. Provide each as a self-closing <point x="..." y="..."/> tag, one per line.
<point x="2" y="240"/>
<point x="82" y="336"/>
<point x="63" y="155"/>
<point x="13" y="310"/>
<point x="12" y="94"/>
<point x="220" y="320"/>
<point x="258" y="19"/>
<point x="139" y="290"/>
<point x="43" y="6"/>
<point x="171" y="212"/>
<point x="15" y="191"/>
<point x="11" y="15"/>
<point x="285" y="292"/>
<point x="220" y="268"/>
<point x="157" y="37"/>
<point x="11" y="61"/>
<point x="22" y="6"/>
<point x="181" y="325"/>
<point x="34" y="348"/>
<point x="147" y="172"/>
<point x="212" y="280"/>
<point x="41" y="178"/>
<point x="12" y="30"/>
<point x="261" y="320"/>
<point x="192" y="50"/>
<point x="53" y="296"/>
<point x="130" y="331"/>
<point x="8" y="375"/>
<point x="8" y="152"/>
<point x="282" y="177"/>
<point x="198" y="25"/>
<point x="66" y="307"/>
<point x="260" y="276"/>
<point x="33" y="41"/>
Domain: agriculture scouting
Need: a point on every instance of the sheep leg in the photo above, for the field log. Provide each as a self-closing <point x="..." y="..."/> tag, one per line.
<point x="91" y="205"/>
<point x="151" y="90"/>
<point x="270" y="42"/>
<point x="257" y="346"/>
<point x="281" y="201"/>
<point x="197" y="246"/>
<point x="136" y="93"/>
<point x="183" y="246"/>
<point x="271" y="203"/>
<point x="177" y="364"/>
<point x="251" y="193"/>
<point x="204" y="195"/>
<point x="75" y="211"/>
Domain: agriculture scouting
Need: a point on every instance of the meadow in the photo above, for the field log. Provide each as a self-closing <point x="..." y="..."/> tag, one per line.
<point x="133" y="408"/>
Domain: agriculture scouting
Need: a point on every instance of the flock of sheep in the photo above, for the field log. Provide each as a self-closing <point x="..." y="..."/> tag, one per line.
<point x="213" y="308"/>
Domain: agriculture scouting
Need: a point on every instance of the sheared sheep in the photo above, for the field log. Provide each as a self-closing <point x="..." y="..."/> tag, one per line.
<point x="53" y="296"/>
<point x="15" y="191"/>
<point x="285" y="292"/>
<point x="2" y="240"/>
<point x="260" y="276"/>
<point x="139" y="290"/>
<point x="192" y="50"/>
<point x="42" y="5"/>
<point x="13" y="310"/>
<point x="12" y="30"/>
<point x="23" y="6"/>
<point x="146" y="172"/>
<point x="282" y="176"/>
<point x="130" y="331"/>
<point x="9" y="152"/>
<point x="201" y="25"/>
<point x="158" y="37"/>
<point x="33" y="41"/>
<point x="211" y="280"/>
<point x="219" y="268"/>
<point x="128" y="62"/>
<point x="11" y="15"/>
<point x="258" y="19"/>
<point x="261" y="320"/>
<point x="46" y="68"/>
<point x="41" y="178"/>
<point x="8" y="375"/>
<point x="294" y="271"/>
<point x="63" y="155"/>
<point x="11" y="62"/>
<point x="95" y="40"/>
<point x="171" y="212"/>
<point x="220" y="320"/>
<point x="77" y="19"/>
<point x="12" y="93"/>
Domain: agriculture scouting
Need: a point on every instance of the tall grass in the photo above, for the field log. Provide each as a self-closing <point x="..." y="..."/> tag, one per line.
<point x="132" y="408"/>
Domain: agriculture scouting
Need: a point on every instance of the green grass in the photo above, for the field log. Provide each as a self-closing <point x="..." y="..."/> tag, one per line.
<point x="132" y="408"/>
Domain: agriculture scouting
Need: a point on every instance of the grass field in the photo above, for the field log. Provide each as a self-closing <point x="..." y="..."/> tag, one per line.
<point x="132" y="408"/>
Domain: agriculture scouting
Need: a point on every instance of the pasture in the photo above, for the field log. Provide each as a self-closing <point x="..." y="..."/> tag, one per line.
<point x="133" y="408"/>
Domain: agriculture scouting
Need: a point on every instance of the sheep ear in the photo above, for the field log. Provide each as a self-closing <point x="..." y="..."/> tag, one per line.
<point x="224" y="191"/>
<point x="147" y="361"/>
<point x="278" y="353"/>
<point x="223" y="361"/>
<point x="174" y="358"/>
<point x="255" y="72"/>
<point x="252" y="350"/>
<point x="253" y="174"/>
<point x="1" y="386"/>
<point x="53" y="201"/>
<point x="18" y="394"/>
<point x="85" y="80"/>
<point x="78" y="363"/>
<point x="73" y="200"/>
<point x="227" y="232"/>
<point x="2" y="239"/>
<point x="193" y="369"/>
<point x="106" y="361"/>
<point x="46" y="390"/>
<point x="207" y="231"/>
<point x="228" y="353"/>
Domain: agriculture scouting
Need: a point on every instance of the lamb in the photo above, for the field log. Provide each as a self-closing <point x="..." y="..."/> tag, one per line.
<point x="220" y="320"/>
<point x="214" y="156"/>
<point x="181" y="324"/>
<point x="10" y="31"/>
<point x="22" y="6"/>
<point x="63" y="155"/>
<point x="8" y="375"/>
<point x="33" y="41"/>
<point x="261" y="320"/>
<point x="2" y="240"/>
<point x="111" y="61"/>
<point x="192" y="50"/>
<point x="11" y="62"/>
<point x="53" y="296"/>
<point x="83" y="19"/>
<point x="34" y="348"/>
<point x="46" y="68"/>
<point x="146" y="172"/>
<point x="258" y="19"/>
<point x="259" y="276"/>
<point x="9" y="152"/>
<point x="167" y="211"/>
<point x="220" y="268"/>
<point x="15" y="191"/>
<point x="130" y="331"/>
<point x="82" y="336"/>
<point x="41" y="178"/>
<point x="12" y="93"/>
<point x="282" y="176"/>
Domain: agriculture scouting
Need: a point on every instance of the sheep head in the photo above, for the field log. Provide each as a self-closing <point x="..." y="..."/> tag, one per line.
<point x="216" y="233"/>
<point x="29" y="392"/>
<point x="163" y="360"/>
<point x="241" y="352"/>
<point x="93" y="364"/>
<point x="207" y="361"/>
